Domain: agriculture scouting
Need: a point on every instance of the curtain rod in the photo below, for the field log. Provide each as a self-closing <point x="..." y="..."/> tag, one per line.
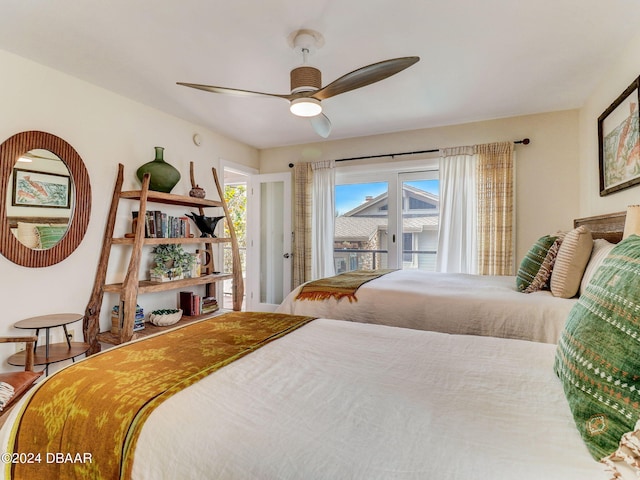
<point x="524" y="141"/>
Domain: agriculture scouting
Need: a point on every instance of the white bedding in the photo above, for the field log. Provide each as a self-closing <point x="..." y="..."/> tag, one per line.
<point x="336" y="400"/>
<point x="446" y="302"/>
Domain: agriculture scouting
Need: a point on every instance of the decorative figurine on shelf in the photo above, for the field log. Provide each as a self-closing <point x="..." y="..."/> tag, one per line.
<point x="163" y="175"/>
<point x="197" y="192"/>
<point x="207" y="225"/>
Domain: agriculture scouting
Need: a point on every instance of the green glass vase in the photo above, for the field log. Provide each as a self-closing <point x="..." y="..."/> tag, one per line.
<point x="163" y="175"/>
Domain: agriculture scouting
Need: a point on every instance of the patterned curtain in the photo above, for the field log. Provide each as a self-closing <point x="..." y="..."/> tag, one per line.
<point x="302" y="177"/>
<point x="495" y="172"/>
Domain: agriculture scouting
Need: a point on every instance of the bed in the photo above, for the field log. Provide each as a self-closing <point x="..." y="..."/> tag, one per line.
<point x="263" y="395"/>
<point x="458" y="303"/>
<point x="329" y="399"/>
<point x="448" y="303"/>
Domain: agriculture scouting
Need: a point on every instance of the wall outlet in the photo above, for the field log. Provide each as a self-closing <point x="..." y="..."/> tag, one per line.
<point x="71" y="334"/>
<point x="20" y="347"/>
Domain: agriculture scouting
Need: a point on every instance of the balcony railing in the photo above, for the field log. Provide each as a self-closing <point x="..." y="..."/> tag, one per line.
<point x="350" y="259"/>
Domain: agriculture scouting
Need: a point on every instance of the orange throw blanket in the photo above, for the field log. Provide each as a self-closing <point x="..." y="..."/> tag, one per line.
<point x="84" y="421"/>
<point x="341" y="286"/>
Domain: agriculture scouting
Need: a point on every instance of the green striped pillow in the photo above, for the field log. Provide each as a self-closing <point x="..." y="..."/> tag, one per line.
<point x="532" y="261"/>
<point x="50" y="235"/>
<point x="598" y="355"/>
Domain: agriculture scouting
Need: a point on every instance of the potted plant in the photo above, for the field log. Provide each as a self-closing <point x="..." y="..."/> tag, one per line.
<point x="171" y="263"/>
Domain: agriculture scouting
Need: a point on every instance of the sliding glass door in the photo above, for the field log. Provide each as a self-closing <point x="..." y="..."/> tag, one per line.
<point x="387" y="219"/>
<point x="420" y="209"/>
<point x="361" y="238"/>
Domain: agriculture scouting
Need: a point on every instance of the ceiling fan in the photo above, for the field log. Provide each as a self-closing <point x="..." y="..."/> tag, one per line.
<point x="307" y="91"/>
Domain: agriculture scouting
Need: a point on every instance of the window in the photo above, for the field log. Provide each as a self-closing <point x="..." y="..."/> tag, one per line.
<point x="420" y="219"/>
<point x="407" y="248"/>
<point x="374" y="209"/>
<point x="416" y="204"/>
<point x="360" y="240"/>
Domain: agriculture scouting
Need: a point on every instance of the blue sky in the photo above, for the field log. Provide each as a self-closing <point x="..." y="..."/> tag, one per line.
<point x="351" y="195"/>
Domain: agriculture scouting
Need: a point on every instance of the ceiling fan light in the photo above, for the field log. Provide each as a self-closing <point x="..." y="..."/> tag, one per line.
<point x="305" y="107"/>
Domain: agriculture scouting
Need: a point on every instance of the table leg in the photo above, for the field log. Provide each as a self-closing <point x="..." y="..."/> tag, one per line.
<point x="47" y="343"/>
<point x="66" y="336"/>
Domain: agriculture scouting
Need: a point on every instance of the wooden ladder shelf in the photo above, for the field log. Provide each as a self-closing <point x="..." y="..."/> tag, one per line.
<point x="131" y="285"/>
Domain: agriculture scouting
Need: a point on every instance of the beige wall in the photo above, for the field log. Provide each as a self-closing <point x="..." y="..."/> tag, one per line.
<point x="547" y="193"/>
<point x="557" y="174"/>
<point x="616" y="80"/>
<point x="105" y="129"/>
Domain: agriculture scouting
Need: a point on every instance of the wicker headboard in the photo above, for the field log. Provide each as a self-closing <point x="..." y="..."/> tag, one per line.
<point x="609" y="226"/>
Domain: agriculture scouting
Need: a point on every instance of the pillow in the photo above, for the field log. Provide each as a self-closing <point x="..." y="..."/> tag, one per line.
<point x="6" y="394"/>
<point x="50" y="235"/>
<point x="532" y="261"/>
<point x="541" y="280"/>
<point x="623" y="463"/>
<point x="570" y="263"/>
<point x="597" y="356"/>
<point x="28" y="235"/>
<point x="601" y="249"/>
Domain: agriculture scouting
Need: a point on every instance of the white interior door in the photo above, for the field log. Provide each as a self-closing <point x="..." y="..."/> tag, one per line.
<point x="269" y="249"/>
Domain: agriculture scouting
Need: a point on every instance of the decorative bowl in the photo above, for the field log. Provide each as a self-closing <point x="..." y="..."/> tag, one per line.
<point x="164" y="318"/>
<point x="197" y="192"/>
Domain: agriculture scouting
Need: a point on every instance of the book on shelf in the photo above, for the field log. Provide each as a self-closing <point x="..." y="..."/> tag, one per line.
<point x="186" y="303"/>
<point x="151" y="224"/>
<point x="158" y="224"/>
<point x="117" y="322"/>
<point x="193" y="304"/>
<point x="197" y="304"/>
<point x="209" y="305"/>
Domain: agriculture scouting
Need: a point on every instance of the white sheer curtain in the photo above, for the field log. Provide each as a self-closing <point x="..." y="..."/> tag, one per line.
<point x="457" y="247"/>
<point x="323" y="215"/>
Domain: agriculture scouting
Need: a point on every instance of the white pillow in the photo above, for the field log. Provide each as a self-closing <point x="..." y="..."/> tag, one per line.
<point x="601" y="249"/>
<point x="570" y="263"/>
<point x="623" y="463"/>
<point x="28" y="234"/>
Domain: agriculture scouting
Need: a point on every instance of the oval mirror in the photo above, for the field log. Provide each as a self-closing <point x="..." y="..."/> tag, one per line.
<point x="42" y="198"/>
<point x="47" y="196"/>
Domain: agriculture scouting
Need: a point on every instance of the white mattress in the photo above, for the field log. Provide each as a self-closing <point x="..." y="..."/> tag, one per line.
<point x="337" y="400"/>
<point x="447" y="302"/>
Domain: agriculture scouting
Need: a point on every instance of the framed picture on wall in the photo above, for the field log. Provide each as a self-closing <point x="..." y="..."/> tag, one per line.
<point x="619" y="142"/>
<point x="40" y="189"/>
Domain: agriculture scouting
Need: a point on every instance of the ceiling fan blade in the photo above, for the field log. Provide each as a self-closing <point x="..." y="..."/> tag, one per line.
<point x="234" y="91"/>
<point x="321" y="124"/>
<point x="365" y="76"/>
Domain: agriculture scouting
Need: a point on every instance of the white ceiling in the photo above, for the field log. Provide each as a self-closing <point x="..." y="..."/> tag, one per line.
<point x="479" y="59"/>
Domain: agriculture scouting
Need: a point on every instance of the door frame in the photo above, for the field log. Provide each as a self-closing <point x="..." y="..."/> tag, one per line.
<point x="254" y="263"/>
<point x="245" y="171"/>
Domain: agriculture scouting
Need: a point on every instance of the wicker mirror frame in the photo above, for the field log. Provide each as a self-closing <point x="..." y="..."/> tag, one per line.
<point x="10" y="151"/>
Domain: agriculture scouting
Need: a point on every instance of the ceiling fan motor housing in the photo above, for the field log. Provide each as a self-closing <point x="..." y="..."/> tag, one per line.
<point x="305" y="78"/>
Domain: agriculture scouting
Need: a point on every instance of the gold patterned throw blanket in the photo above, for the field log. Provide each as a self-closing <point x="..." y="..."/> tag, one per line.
<point x="341" y="286"/>
<point x="84" y="421"/>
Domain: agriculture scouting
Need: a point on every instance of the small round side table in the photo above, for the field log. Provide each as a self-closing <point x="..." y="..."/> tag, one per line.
<point x="50" y="353"/>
